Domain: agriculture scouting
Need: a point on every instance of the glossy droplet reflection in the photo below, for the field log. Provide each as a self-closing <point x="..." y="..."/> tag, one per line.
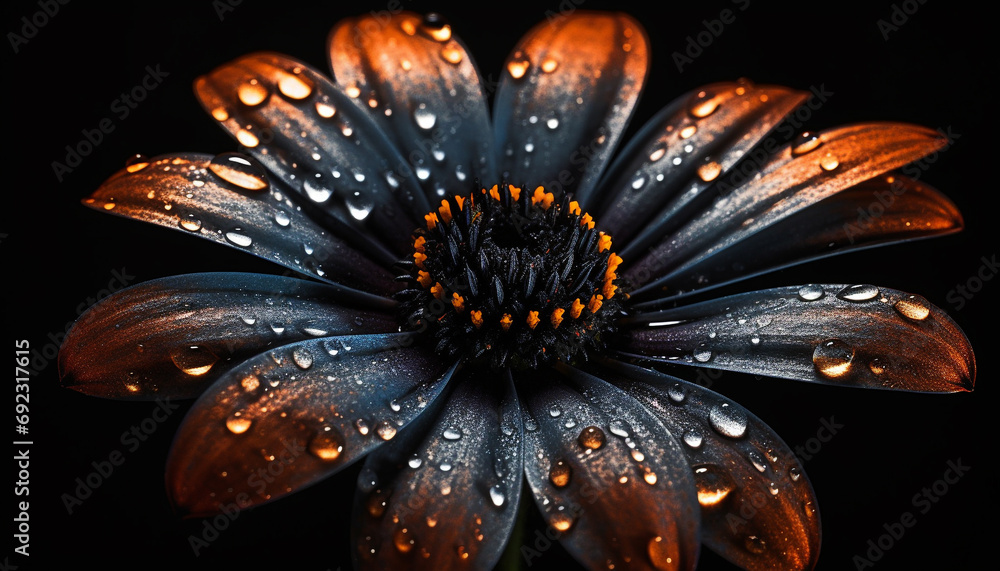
<point x="518" y="65"/>
<point x="832" y="358"/>
<point x="913" y="307"/>
<point x="810" y="292"/>
<point x="194" y="360"/>
<point x="136" y="163"/>
<point x="560" y="474"/>
<point x="713" y="484"/>
<point x="728" y="420"/>
<point x="327" y="445"/>
<point x="860" y="292"/>
<point x="251" y="93"/>
<point x="237" y="424"/>
<point x="805" y="143"/>
<point x="240" y="170"/>
<point x="294" y="87"/>
<point x="592" y="438"/>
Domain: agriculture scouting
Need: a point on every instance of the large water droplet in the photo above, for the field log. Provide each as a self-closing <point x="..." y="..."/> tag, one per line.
<point x="327" y="444"/>
<point x="317" y="188"/>
<point x="709" y="171"/>
<point x="295" y="86"/>
<point x="702" y="354"/>
<point x="282" y="218"/>
<point x="913" y="307"/>
<point x="728" y="419"/>
<point x="359" y="206"/>
<point x="136" y="163"/>
<point x="805" y="143"/>
<point x="385" y="430"/>
<point x="518" y="65"/>
<point x="190" y="222"/>
<point x="240" y="170"/>
<point x="703" y="105"/>
<point x="302" y="357"/>
<point x="829" y="162"/>
<point x="713" y="484"/>
<point x="676" y="392"/>
<point x="688" y="132"/>
<point x="561" y="521"/>
<point x="435" y="27"/>
<point x="833" y="358"/>
<point x="452" y="53"/>
<point x="452" y="433"/>
<point x="362" y="426"/>
<point x="236" y="236"/>
<point x="592" y="438"/>
<point x="497" y="495"/>
<point x="619" y="428"/>
<point x="560" y="474"/>
<point x="251" y="93"/>
<point x="810" y="292"/>
<point x="194" y="360"/>
<point x="861" y="292"/>
<point x="693" y="438"/>
<point x="237" y="424"/>
<point x="325" y="109"/>
<point x="424" y="117"/>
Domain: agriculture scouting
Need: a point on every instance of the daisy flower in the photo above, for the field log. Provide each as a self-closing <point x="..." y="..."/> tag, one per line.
<point x="494" y="298"/>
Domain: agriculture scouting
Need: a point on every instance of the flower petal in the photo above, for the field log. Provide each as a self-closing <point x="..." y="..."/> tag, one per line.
<point x="295" y="415"/>
<point x="186" y="193"/>
<point x="879" y="211"/>
<point x="567" y="93"/>
<point x="313" y="137"/>
<point x="174" y="336"/>
<point x="858" y="335"/>
<point x="758" y="509"/>
<point x="418" y="82"/>
<point x="446" y="497"/>
<point x="607" y="475"/>
<point x="790" y="181"/>
<point x="666" y="168"/>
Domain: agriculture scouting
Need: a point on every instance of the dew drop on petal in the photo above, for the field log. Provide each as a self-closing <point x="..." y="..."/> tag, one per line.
<point x="237" y="424"/>
<point x="794" y="473"/>
<point x="829" y="162"/>
<point x="190" y="222"/>
<point x="913" y="307"/>
<point x="810" y="292"/>
<point x="415" y="462"/>
<point x="247" y="139"/>
<point x="693" y="439"/>
<point x="876" y="366"/>
<point x="657" y="154"/>
<point x="832" y="358"/>
<point x="713" y="484"/>
<point x="676" y="392"/>
<point x="327" y="444"/>
<point x="688" y="132"/>
<point x="804" y="143"/>
<point x="325" y="109"/>
<point x="294" y="86"/>
<point x="237" y="237"/>
<point x="560" y="474"/>
<point x="136" y="163"/>
<point x="251" y="93"/>
<point x="240" y="170"/>
<point x="282" y="218"/>
<point x="435" y="27"/>
<point x="362" y="426"/>
<point x="452" y="53"/>
<point x="637" y="455"/>
<point x="592" y="438"/>
<point x="728" y="420"/>
<point x="220" y="114"/>
<point x="497" y="495"/>
<point x="385" y="430"/>
<point x="425" y="118"/>
<point x="194" y="360"/>
<point x="549" y="65"/>
<point x="561" y="521"/>
<point x="702" y="355"/>
<point x="452" y="433"/>
<point x="704" y="104"/>
<point x="861" y="292"/>
<point x="317" y="188"/>
<point x="518" y="65"/>
<point x="757" y="461"/>
<point x="619" y="428"/>
<point x="302" y="358"/>
<point x="709" y="171"/>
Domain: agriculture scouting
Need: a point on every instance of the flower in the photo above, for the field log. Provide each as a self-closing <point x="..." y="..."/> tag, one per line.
<point x="526" y="303"/>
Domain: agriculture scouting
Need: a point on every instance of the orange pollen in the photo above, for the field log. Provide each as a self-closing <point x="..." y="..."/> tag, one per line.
<point x="533" y="319"/>
<point x="424" y="278"/>
<point x="437" y="290"/>
<point x="495" y="192"/>
<point x="576" y="309"/>
<point x="556" y="317"/>
<point x="431" y="219"/>
<point x="588" y="221"/>
<point x="505" y="321"/>
<point x="613" y="262"/>
<point x="604" y="242"/>
<point x="460" y="200"/>
<point x="546" y="198"/>
<point x="418" y="244"/>
<point x="574" y="208"/>
<point x="445" y="211"/>
<point x="515" y="192"/>
<point x="477" y="318"/>
<point x="458" y="302"/>
<point x="418" y="259"/>
<point x="596" y="301"/>
<point x="609" y="289"/>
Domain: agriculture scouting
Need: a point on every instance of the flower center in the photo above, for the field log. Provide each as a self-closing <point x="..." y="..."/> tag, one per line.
<point x="512" y="279"/>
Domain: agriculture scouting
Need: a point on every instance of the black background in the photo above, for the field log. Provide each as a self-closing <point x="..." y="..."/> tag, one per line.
<point x="938" y="69"/>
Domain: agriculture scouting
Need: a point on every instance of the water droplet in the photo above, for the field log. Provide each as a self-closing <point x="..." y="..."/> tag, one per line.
<point x="713" y="484"/>
<point x="194" y="360"/>
<point x="555" y="411"/>
<point x="444" y="466"/>
<point x="638" y="182"/>
<point x="649" y="477"/>
<point x="809" y="508"/>
<point x="452" y="433"/>
<point x="190" y="222"/>
<point x="325" y="110"/>
<point x="362" y="426"/>
<point x="619" y="428"/>
<point x="676" y="392"/>
<point x="404" y="540"/>
<point x="570" y="423"/>
<point x="552" y="123"/>
<point x="560" y="474"/>
<point x="385" y="430"/>
<point x="327" y="444"/>
<point x="378" y="501"/>
<point x="728" y="419"/>
<point x="317" y="188"/>
<point x="136" y="163"/>
<point x="592" y="438"/>
<point x="302" y="358"/>
<point x="709" y="171"/>
<point x="251" y="93"/>
<point x="237" y="237"/>
<point x="518" y="65"/>
<point x="829" y="162"/>
<point x="278" y="328"/>
<point x="394" y="405"/>
<point x="795" y="473"/>
<point x="913" y="307"/>
<point x="282" y="218"/>
<point x="237" y="424"/>
<point x="693" y="439"/>
<point x="688" y="132"/>
<point x="352" y="90"/>
<point x="435" y="27"/>
<point x="359" y="207"/>
<point x="220" y="114"/>
<point x="754" y="544"/>
<point x="877" y="366"/>
<point x="662" y="553"/>
<point x="248" y="319"/>
<point x="861" y="292"/>
<point x="424" y="118"/>
<point x="240" y="170"/>
<point x="657" y="154"/>
<point x="810" y="292"/>
<point x="561" y="521"/>
<point x="832" y="358"/>
<point x="637" y="455"/>
<point x="497" y="495"/>
<point x="295" y="86"/>
<point x="703" y="105"/>
<point x="415" y="462"/>
<point x="702" y="354"/>
<point x="804" y="143"/>
<point x="757" y="461"/>
<point x="452" y="53"/>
